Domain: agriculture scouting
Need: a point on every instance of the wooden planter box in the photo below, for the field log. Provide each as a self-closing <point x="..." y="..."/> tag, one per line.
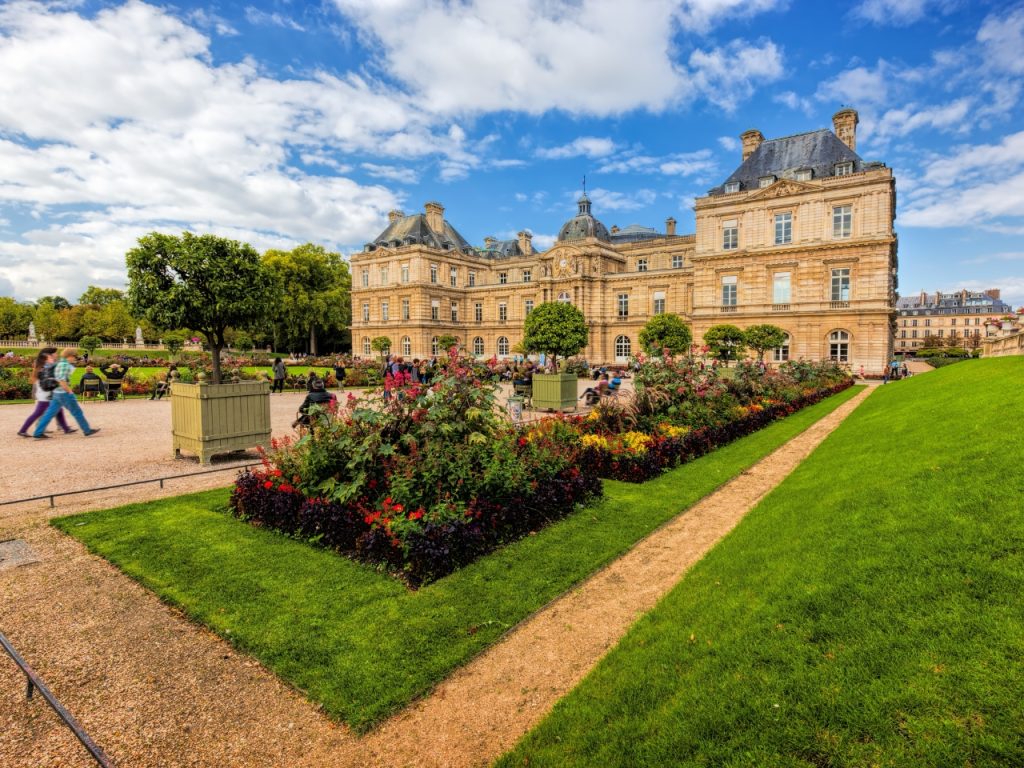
<point x="554" y="391"/>
<point x="208" y="419"/>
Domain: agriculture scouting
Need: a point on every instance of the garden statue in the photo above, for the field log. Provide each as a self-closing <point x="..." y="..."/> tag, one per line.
<point x="138" y="336"/>
<point x="32" y="333"/>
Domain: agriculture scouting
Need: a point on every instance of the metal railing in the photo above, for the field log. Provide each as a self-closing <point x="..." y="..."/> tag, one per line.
<point x="34" y="683"/>
<point x="161" y="480"/>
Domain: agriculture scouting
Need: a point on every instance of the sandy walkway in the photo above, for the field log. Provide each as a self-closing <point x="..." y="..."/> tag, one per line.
<point x="155" y="690"/>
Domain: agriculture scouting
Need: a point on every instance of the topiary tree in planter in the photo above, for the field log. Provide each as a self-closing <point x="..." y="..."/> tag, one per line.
<point x="727" y="342"/>
<point x="666" y="332"/>
<point x="381" y="345"/>
<point x="761" y="338"/>
<point x="557" y="330"/>
<point x="89" y="344"/>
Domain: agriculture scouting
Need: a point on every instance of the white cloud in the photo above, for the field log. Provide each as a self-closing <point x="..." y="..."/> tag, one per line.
<point x="901" y="12"/>
<point x="262" y="18"/>
<point x="610" y="200"/>
<point x="729" y="143"/>
<point x="700" y="15"/>
<point x="728" y="75"/>
<point x="543" y="242"/>
<point x="1011" y="287"/>
<point x="678" y="164"/>
<point x="209" y="20"/>
<point x="583" y="146"/>
<point x="859" y="85"/>
<point x="391" y="173"/>
<point x="794" y="102"/>
<point x="1002" y="39"/>
<point x="944" y="117"/>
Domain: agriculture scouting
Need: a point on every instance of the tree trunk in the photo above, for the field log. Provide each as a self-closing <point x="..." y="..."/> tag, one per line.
<point x="312" y="339"/>
<point x="215" y="351"/>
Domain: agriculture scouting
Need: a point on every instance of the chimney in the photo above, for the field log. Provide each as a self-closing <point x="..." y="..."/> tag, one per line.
<point x="526" y="242"/>
<point x="993" y="293"/>
<point x="844" y="122"/>
<point x="670" y="226"/>
<point x="394" y="213"/>
<point x="614" y="229"/>
<point x="435" y="217"/>
<point x="490" y="242"/>
<point x="751" y="141"/>
<point x="924" y="298"/>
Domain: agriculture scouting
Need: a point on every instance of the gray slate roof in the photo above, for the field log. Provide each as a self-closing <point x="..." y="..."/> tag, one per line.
<point x="502" y="249"/>
<point x="635" y="233"/>
<point x="413" y="230"/>
<point x="583" y="224"/>
<point x="818" y="150"/>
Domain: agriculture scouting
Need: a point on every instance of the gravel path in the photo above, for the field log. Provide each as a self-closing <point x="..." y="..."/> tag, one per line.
<point x="156" y="690"/>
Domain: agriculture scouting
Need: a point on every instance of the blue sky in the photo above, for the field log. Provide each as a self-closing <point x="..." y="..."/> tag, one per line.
<point x="285" y="122"/>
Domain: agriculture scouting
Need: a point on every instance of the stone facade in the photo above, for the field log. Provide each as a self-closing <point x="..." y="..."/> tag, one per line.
<point x="800" y="236"/>
<point x="956" y="318"/>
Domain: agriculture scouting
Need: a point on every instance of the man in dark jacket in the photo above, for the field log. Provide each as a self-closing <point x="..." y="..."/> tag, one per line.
<point x="317" y="395"/>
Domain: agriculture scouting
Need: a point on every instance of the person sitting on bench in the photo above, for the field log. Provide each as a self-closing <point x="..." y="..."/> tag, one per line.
<point x="318" y="395"/>
<point x="91" y="383"/>
<point x="115" y="374"/>
<point x="593" y="395"/>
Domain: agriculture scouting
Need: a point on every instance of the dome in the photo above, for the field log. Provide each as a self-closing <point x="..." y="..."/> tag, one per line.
<point x="583" y="224"/>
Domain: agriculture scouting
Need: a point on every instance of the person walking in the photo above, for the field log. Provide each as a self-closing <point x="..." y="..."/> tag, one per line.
<point x="280" y="372"/>
<point x="42" y="396"/>
<point x="64" y="397"/>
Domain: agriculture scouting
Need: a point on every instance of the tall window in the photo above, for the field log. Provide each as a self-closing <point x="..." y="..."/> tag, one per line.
<point x="677" y="261"/>
<point x="641" y="265"/>
<point x="366" y="278"/>
<point x="366" y="345"/>
<point x="781" y="354"/>
<point x="434" y="346"/>
<point x="780" y="288"/>
<point x="406" y="346"/>
<point x="527" y="275"/>
<point x="503" y="346"/>
<point x="841" y="284"/>
<point x="842" y="221"/>
<point x="659" y="303"/>
<point x="623" y="305"/>
<point x="405" y="309"/>
<point x="472" y="279"/>
<point x="564" y="298"/>
<point x="478" y="346"/>
<point x="729" y="291"/>
<point x="433" y="273"/>
<point x="435" y="309"/>
<point x="366" y="312"/>
<point x="783" y="228"/>
<point x="502" y="278"/>
<point x="528" y="307"/>
<point x="839" y="346"/>
<point x="478" y="312"/>
<point x="384" y="311"/>
<point x="453" y="277"/>
<point x="502" y="312"/>
<point x="730" y="236"/>
<point x="455" y="311"/>
<point x="383" y="275"/>
<point x="405" y="273"/>
<point x="623" y="348"/>
<point x="952" y="321"/>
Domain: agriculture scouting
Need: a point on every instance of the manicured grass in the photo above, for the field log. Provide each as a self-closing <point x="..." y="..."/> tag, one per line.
<point x="866" y="613"/>
<point x="356" y="640"/>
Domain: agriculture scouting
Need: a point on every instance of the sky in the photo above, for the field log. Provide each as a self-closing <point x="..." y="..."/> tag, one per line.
<point x="279" y="123"/>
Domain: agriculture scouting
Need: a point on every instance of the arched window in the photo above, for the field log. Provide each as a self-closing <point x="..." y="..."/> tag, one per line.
<point x="782" y="353"/>
<point x="564" y="298"/>
<point x="478" y="346"/>
<point x="839" y="346"/>
<point x="623" y="348"/>
<point x="503" y="346"/>
<point x="366" y="345"/>
<point x="433" y="346"/>
<point x="406" y="346"/>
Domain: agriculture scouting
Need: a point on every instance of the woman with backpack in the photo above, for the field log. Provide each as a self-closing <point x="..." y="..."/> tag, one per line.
<point x="43" y="396"/>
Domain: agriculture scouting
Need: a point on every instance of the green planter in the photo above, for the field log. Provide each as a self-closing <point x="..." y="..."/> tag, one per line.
<point x="554" y="391"/>
<point x="207" y="419"/>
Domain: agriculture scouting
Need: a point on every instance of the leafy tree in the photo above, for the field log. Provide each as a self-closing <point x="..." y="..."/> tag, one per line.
<point x="761" y="338"/>
<point x="202" y="282"/>
<point x="556" y="329"/>
<point x="14" y="317"/>
<point x="174" y="342"/>
<point x="100" y="296"/>
<point x="932" y="341"/>
<point x="57" y="302"/>
<point x="47" y="320"/>
<point x="446" y="342"/>
<point x="727" y="342"/>
<point x="90" y="344"/>
<point x="243" y="341"/>
<point x="381" y="344"/>
<point x="666" y="332"/>
<point x="116" y="321"/>
<point x="313" y="286"/>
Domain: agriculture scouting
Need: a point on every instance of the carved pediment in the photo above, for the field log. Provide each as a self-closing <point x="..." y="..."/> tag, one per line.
<point x="782" y="188"/>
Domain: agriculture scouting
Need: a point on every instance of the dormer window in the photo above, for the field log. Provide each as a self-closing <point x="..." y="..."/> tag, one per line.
<point x="804" y="174"/>
<point x="732" y="186"/>
<point x="844" y="169"/>
<point x="765" y="181"/>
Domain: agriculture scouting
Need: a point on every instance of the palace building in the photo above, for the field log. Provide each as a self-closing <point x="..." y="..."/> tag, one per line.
<point x="800" y="236"/>
<point x="954" y="319"/>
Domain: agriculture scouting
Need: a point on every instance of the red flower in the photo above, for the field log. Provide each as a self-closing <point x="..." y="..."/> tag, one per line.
<point x="277" y="473"/>
<point x="268" y="484"/>
<point x="418" y="514"/>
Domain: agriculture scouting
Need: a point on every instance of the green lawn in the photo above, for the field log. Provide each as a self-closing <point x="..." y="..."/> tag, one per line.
<point x="356" y="640"/>
<point x="867" y="613"/>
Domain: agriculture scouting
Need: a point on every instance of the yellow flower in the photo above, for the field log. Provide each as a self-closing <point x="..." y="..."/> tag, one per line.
<point x="671" y="430"/>
<point x="637" y="442"/>
<point x="595" y="441"/>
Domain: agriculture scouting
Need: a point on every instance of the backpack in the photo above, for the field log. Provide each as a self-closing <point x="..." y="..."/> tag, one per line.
<point x="47" y="382"/>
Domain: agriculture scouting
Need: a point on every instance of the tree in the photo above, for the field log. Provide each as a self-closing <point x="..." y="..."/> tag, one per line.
<point x="931" y="341"/>
<point x="174" y="342"/>
<point x="761" y="338"/>
<point x="243" y="341"/>
<point x="381" y="344"/>
<point x="47" y="320"/>
<point x="100" y="296"/>
<point x="116" y="321"/>
<point x="313" y="286"/>
<point x="90" y="344"/>
<point x="57" y="302"/>
<point x="14" y="317"/>
<point x="666" y="332"/>
<point x="201" y="282"/>
<point x="556" y="329"/>
<point x="726" y="342"/>
<point x="447" y="341"/>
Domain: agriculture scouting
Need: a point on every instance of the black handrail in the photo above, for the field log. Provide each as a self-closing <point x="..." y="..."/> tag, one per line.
<point x="34" y="683"/>
<point x="52" y="496"/>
